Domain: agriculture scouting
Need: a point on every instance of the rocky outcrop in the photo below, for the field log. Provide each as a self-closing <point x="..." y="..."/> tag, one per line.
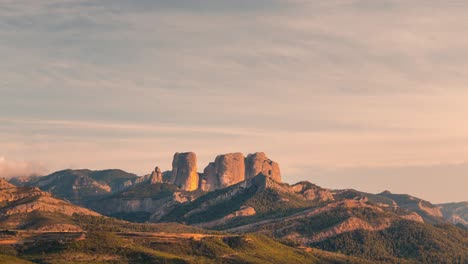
<point x="17" y="193"/>
<point x="312" y="192"/>
<point x="412" y="216"/>
<point x="259" y="163"/>
<point x="209" y="180"/>
<point x="349" y="225"/>
<point x="184" y="171"/>
<point x="156" y="176"/>
<point x="226" y="170"/>
<point x="232" y="168"/>
<point x="242" y="212"/>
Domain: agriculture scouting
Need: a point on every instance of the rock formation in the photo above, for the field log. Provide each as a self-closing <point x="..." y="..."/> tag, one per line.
<point x="184" y="171"/>
<point x="227" y="170"/>
<point x="259" y="163"/>
<point x="209" y="180"/>
<point x="156" y="176"/>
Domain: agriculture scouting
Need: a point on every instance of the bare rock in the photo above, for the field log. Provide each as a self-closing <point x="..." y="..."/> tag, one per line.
<point x="209" y="180"/>
<point x="259" y="163"/>
<point x="156" y="176"/>
<point x="184" y="171"/>
<point x="227" y="170"/>
<point x="230" y="169"/>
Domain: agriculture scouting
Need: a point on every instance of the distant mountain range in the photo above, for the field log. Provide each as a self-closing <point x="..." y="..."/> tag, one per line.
<point x="245" y="195"/>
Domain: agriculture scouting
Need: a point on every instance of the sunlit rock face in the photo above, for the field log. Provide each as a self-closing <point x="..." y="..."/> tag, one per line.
<point x="257" y="163"/>
<point x="184" y="171"/>
<point x="156" y="176"/>
<point x="226" y="170"/>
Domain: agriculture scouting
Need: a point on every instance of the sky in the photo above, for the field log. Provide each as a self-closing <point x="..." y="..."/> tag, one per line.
<point x="363" y="94"/>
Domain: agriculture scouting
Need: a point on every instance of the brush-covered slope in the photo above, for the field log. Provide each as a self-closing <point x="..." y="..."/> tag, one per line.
<point x="31" y="208"/>
<point x="79" y="186"/>
<point x="255" y="199"/>
<point x="108" y="240"/>
<point x="429" y="212"/>
<point x="403" y="240"/>
<point x="456" y="213"/>
<point x="307" y="215"/>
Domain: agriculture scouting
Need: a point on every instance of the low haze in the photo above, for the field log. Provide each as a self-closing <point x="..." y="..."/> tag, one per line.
<point x="362" y="94"/>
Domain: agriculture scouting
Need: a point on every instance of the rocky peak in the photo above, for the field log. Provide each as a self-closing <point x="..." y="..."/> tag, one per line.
<point x="259" y="163"/>
<point x="226" y="170"/>
<point x="156" y="176"/>
<point x="184" y="171"/>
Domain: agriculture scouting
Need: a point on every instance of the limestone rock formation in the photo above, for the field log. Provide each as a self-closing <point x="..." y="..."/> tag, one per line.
<point x="156" y="176"/>
<point x="209" y="180"/>
<point x="184" y="171"/>
<point x="259" y="163"/>
<point x="227" y="170"/>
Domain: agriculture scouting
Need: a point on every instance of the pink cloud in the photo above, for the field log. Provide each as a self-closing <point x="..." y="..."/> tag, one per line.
<point x="16" y="168"/>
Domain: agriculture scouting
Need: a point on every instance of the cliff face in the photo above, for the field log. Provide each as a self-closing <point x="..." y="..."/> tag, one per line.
<point x="232" y="168"/>
<point x="226" y="170"/>
<point x="259" y="163"/>
<point x="156" y="176"/>
<point x="184" y="171"/>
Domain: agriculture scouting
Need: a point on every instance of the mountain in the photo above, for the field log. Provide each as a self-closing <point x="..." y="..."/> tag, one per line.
<point x="78" y="186"/>
<point x="456" y="213"/>
<point x="346" y="221"/>
<point x="240" y="202"/>
<point x="107" y="240"/>
<point x="31" y="208"/>
<point x="429" y="212"/>
<point x="150" y="202"/>
<point x="141" y="202"/>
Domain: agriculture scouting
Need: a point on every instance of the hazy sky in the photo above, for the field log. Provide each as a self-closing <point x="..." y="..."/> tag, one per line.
<point x="362" y="94"/>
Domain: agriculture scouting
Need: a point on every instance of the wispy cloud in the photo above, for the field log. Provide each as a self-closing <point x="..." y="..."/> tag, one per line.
<point x="329" y="84"/>
<point x="16" y="168"/>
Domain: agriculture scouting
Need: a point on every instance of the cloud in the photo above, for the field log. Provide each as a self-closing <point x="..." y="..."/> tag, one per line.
<point x="314" y="83"/>
<point x="16" y="168"/>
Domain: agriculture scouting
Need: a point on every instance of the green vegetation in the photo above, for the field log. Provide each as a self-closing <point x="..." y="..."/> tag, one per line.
<point x="107" y="224"/>
<point x="266" y="202"/>
<point x="81" y="185"/>
<point x="4" y="259"/>
<point x="34" y="220"/>
<point x="107" y="247"/>
<point x="270" y="201"/>
<point x="404" y="239"/>
<point x="137" y="217"/>
<point x="112" y="177"/>
<point x="216" y="211"/>
<point x="153" y="191"/>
